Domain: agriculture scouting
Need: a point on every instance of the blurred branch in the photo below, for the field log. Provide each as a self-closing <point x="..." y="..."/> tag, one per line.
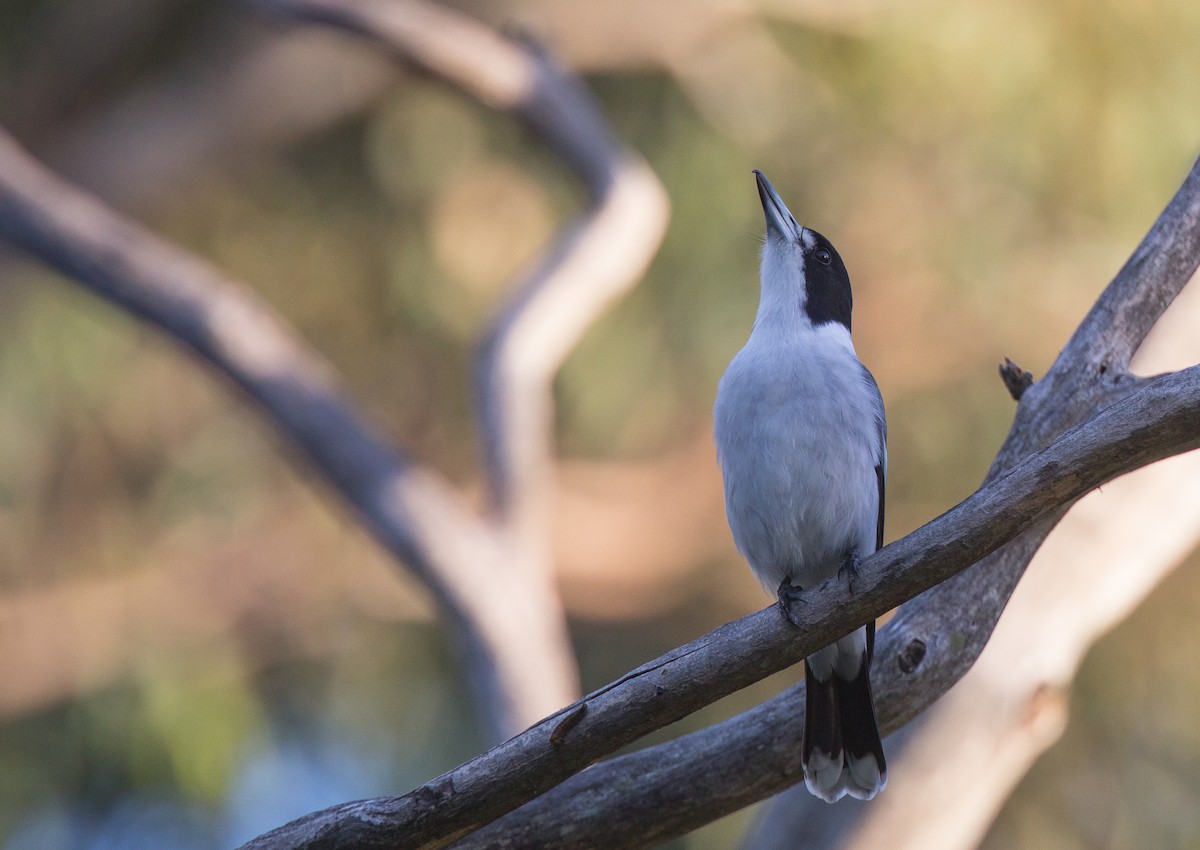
<point x="514" y="634"/>
<point x="593" y="262"/>
<point x="407" y="508"/>
<point x="671" y="788"/>
<point x="61" y="639"/>
<point x="628" y="536"/>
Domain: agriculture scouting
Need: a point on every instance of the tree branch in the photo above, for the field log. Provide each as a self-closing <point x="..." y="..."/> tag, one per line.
<point x="673" y="788"/>
<point x="404" y="506"/>
<point x="410" y="510"/>
<point x="593" y="262"/>
<point x="1093" y="367"/>
<point x="960" y="761"/>
<point x="514" y="636"/>
<point x="1160" y="419"/>
<point x="925" y="649"/>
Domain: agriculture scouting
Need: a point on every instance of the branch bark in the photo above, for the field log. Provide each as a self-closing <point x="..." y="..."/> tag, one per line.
<point x="963" y="758"/>
<point x="1122" y="422"/>
<point x="933" y="640"/>
<point x="673" y="788"/>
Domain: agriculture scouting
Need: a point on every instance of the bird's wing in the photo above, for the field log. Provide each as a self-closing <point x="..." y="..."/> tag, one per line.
<point x="881" y="465"/>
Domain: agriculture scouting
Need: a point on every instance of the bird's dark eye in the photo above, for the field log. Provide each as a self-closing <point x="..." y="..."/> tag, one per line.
<point x="822" y="256"/>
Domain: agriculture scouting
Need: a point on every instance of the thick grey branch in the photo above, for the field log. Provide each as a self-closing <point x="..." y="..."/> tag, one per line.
<point x="1160" y="419"/>
<point x="1145" y="286"/>
<point x="920" y="654"/>
<point x="954" y="622"/>
<point x="670" y="789"/>
<point x="1093" y="367"/>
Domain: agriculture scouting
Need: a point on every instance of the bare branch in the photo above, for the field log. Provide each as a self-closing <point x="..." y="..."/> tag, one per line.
<point x="408" y="509"/>
<point x="1161" y="418"/>
<point x="954" y="621"/>
<point x="1093" y="367"/>
<point x="673" y="788"/>
<point x="927" y="647"/>
<point x="258" y="91"/>
<point x="1143" y="289"/>
<point x="593" y="262"/>
<point x="243" y="339"/>
<point x="1096" y="567"/>
<point x="514" y="636"/>
<point x="924" y="650"/>
<point x="974" y="745"/>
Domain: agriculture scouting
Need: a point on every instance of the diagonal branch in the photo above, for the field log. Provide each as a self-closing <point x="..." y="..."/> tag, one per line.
<point x="514" y="637"/>
<point x="935" y="638"/>
<point x="920" y="654"/>
<point x="1093" y="367"/>
<point x="1146" y="285"/>
<point x="1160" y="419"/>
<point x="244" y="340"/>
<point x="238" y="334"/>
<point x="756" y="753"/>
<point x="1009" y="733"/>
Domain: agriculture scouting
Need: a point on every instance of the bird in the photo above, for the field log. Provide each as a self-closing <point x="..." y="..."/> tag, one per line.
<point x="801" y="438"/>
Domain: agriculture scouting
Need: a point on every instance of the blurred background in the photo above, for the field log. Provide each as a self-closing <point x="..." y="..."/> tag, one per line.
<point x="196" y="642"/>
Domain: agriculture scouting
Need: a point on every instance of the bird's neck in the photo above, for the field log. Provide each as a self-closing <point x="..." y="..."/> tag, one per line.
<point x="782" y="320"/>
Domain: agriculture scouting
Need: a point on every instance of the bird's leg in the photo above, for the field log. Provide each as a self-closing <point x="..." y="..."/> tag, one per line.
<point x="848" y="571"/>
<point x="791" y="598"/>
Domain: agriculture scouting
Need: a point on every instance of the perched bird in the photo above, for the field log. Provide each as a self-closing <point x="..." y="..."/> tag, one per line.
<point x="801" y="437"/>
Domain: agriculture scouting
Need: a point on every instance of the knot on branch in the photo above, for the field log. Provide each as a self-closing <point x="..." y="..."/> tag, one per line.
<point x="911" y="656"/>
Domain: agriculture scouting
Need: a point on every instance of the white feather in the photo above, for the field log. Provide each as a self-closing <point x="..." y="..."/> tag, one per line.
<point x="798" y="430"/>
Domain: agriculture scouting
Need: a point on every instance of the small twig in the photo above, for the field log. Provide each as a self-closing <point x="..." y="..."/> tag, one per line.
<point x="569" y="722"/>
<point x="1016" y="379"/>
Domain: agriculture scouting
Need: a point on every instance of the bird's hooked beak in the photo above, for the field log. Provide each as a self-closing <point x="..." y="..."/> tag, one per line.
<point x="780" y="220"/>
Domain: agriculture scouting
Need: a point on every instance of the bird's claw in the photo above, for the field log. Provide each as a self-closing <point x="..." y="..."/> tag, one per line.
<point x="790" y="600"/>
<point x="848" y="571"/>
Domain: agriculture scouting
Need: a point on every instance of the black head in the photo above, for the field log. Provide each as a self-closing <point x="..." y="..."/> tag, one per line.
<point x="826" y="281"/>
<point x="798" y="255"/>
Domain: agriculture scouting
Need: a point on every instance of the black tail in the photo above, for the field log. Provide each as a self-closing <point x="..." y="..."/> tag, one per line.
<point x="842" y="753"/>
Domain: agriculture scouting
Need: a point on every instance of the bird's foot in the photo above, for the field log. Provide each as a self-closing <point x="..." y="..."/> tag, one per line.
<point x="791" y="598"/>
<point x="848" y="571"/>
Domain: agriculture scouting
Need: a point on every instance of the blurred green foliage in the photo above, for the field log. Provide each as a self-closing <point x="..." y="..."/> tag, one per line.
<point x="984" y="167"/>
